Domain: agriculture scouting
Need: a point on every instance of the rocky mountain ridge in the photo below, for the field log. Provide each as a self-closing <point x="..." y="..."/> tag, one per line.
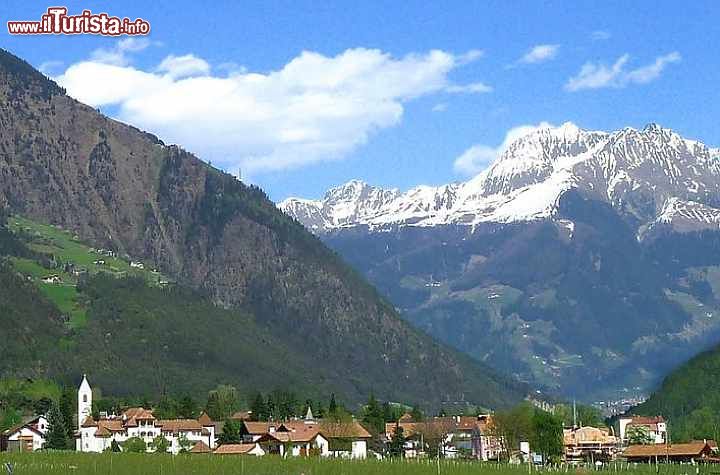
<point x="645" y="174"/>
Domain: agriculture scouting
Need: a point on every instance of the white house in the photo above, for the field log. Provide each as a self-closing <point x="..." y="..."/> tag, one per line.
<point x="26" y="437"/>
<point x="347" y="439"/>
<point x="654" y="427"/>
<point x="98" y="435"/>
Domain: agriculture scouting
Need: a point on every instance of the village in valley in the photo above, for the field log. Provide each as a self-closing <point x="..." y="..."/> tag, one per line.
<point x="483" y="437"/>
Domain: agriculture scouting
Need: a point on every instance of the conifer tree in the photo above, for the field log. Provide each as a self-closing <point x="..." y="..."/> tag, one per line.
<point x="56" y="436"/>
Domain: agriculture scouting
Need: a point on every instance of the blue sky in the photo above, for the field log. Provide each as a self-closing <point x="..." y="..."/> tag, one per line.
<point x="389" y="92"/>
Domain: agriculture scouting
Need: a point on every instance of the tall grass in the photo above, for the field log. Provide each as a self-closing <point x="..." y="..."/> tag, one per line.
<point x="140" y="464"/>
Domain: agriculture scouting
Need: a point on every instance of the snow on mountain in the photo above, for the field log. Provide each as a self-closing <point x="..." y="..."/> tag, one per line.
<point x="688" y="215"/>
<point x="653" y="174"/>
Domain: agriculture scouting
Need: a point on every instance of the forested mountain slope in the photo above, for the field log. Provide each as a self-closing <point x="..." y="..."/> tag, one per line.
<point x="117" y="188"/>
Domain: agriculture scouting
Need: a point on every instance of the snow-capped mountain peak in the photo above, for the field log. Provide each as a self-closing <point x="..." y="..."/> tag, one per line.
<point x="636" y="171"/>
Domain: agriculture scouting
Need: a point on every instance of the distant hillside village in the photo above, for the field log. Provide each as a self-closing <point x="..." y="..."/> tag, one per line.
<point x="484" y="437"/>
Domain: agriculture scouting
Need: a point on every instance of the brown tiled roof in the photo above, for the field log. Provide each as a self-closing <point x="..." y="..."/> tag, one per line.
<point x="29" y="424"/>
<point x="713" y="445"/>
<point x="257" y="428"/>
<point x="105" y="427"/>
<point x="205" y="420"/>
<point x="467" y="422"/>
<point x="200" y="447"/>
<point x="138" y="413"/>
<point x="692" y="449"/>
<point x="234" y="449"/>
<point x="643" y="421"/>
<point x="296" y="432"/>
<point x="241" y="416"/>
<point x="344" y="430"/>
<point x="89" y="422"/>
<point x="301" y="437"/>
<point x="179" y="425"/>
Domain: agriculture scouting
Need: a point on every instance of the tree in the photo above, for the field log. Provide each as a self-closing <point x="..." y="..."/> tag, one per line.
<point x="373" y="416"/>
<point x="319" y="410"/>
<point x="160" y="445"/>
<point x="638" y="435"/>
<point x="223" y="402"/>
<point x="434" y="434"/>
<point x="513" y="426"/>
<point x="285" y="405"/>
<point x="67" y="407"/>
<point x="166" y="408"/>
<point x="134" y="445"/>
<point x="390" y="414"/>
<point x="185" y="443"/>
<point x="230" y="433"/>
<point x="187" y="407"/>
<point x="259" y="408"/>
<point x="9" y="417"/>
<point x="56" y="436"/>
<point x="114" y="446"/>
<point x="396" y="446"/>
<point x="584" y="415"/>
<point x="42" y="405"/>
<point x="417" y="414"/>
<point x="548" y="435"/>
<point x="332" y="406"/>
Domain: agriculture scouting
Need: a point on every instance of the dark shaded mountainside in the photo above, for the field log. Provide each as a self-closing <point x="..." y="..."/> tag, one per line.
<point x="689" y="398"/>
<point x="599" y="315"/>
<point x="272" y="285"/>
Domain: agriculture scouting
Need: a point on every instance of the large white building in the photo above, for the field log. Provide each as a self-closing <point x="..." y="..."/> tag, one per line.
<point x="98" y="435"/>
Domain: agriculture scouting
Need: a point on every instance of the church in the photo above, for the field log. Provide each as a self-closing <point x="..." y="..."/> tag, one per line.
<point x="97" y="435"/>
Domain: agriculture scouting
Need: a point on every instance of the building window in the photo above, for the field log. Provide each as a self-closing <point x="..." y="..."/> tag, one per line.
<point x="84" y="397"/>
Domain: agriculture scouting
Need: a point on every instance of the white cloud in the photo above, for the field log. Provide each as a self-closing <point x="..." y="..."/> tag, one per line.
<point x="599" y="75"/>
<point x="117" y="55"/>
<point x="470" y="56"/>
<point x="478" y="157"/>
<point x="472" y="88"/>
<point x="441" y="107"/>
<point x="50" y="67"/>
<point x="540" y="54"/>
<point x="312" y="109"/>
<point x="183" y="66"/>
<point x="600" y="35"/>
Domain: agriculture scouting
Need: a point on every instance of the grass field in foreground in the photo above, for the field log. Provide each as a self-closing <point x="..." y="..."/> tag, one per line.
<point x="151" y="464"/>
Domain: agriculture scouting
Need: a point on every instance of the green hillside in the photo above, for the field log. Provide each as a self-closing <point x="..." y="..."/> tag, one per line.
<point x="690" y="399"/>
<point x="56" y="252"/>
<point x="132" y="330"/>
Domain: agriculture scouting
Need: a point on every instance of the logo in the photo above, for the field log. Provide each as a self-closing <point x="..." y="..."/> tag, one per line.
<point x="56" y="21"/>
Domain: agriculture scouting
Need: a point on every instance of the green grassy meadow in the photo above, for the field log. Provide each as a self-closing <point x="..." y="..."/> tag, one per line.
<point x="61" y="246"/>
<point x="140" y="464"/>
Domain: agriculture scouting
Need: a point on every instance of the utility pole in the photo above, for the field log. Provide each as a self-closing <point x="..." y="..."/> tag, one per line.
<point x="574" y="415"/>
